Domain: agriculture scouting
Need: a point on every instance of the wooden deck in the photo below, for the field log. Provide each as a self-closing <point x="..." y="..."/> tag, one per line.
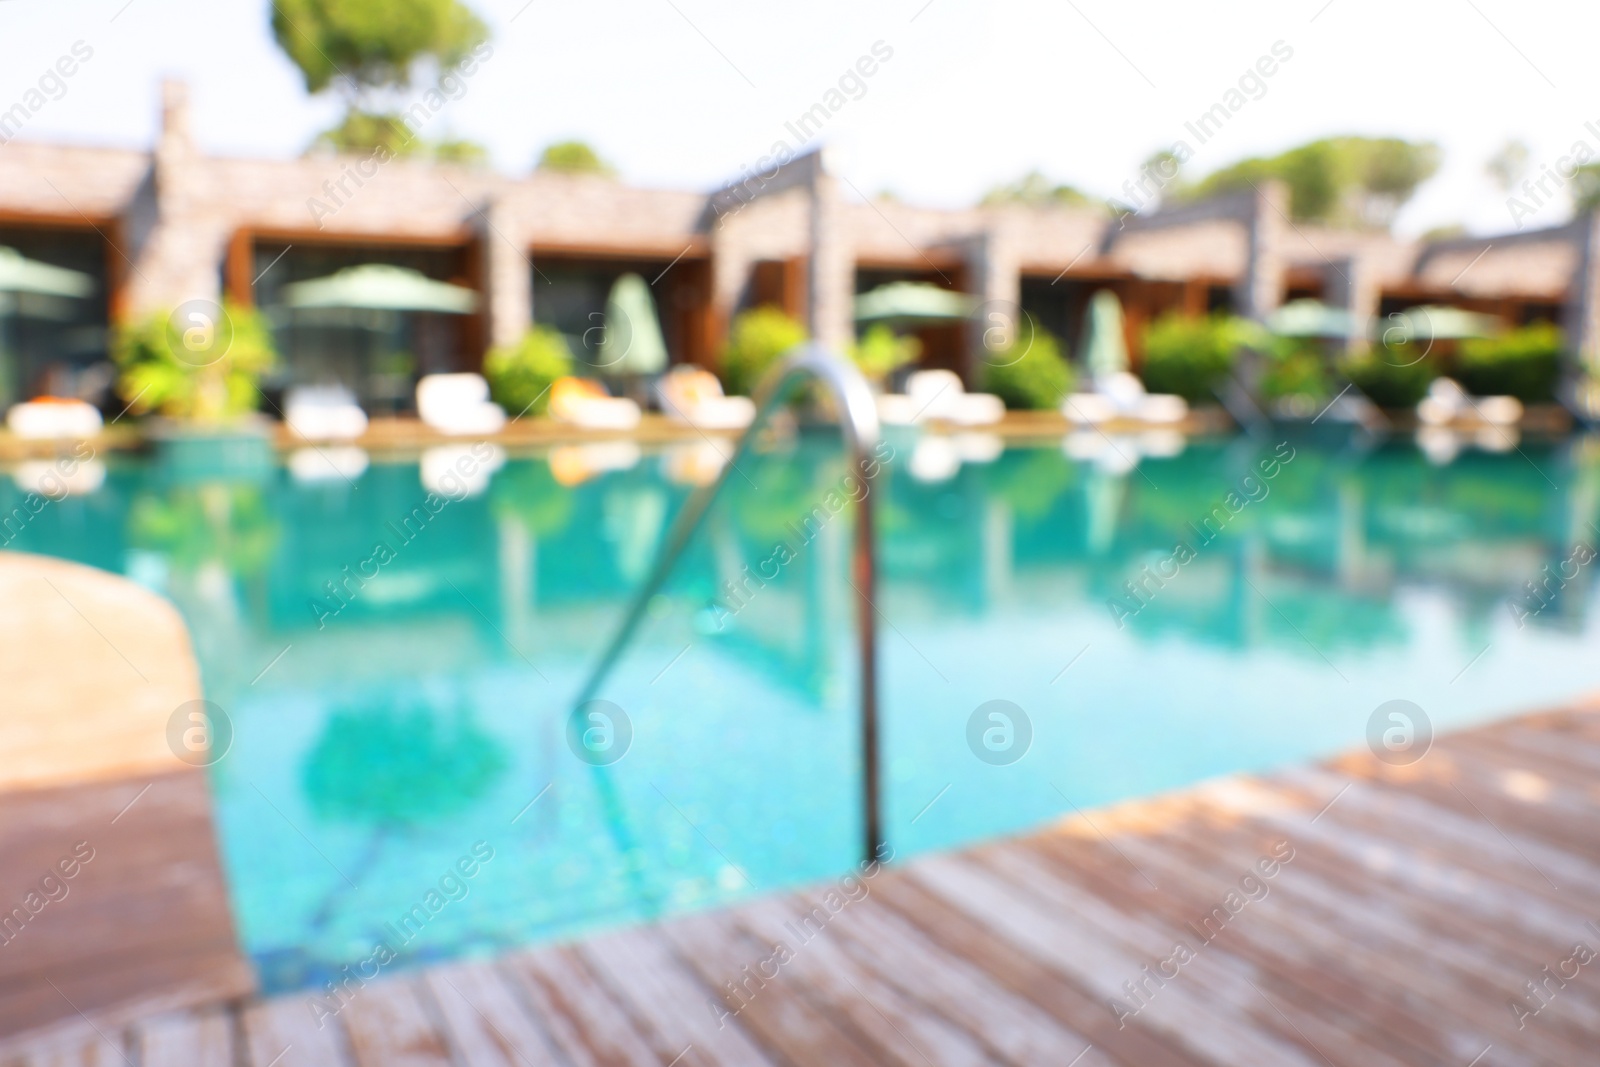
<point x="111" y="892"/>
<point x="1404" y="911"/>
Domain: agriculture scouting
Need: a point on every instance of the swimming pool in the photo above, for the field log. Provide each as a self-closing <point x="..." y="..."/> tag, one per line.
<point x="401" y="765"/>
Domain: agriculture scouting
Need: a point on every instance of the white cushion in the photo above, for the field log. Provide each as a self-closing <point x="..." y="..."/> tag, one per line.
<point x="974" y="409"/>
<point x="324" y="414"/>
<point x="1499" y="410"/>
<point x="458" y="404"/>
<point x="48" y="419"/>
<point x="1124" y="391"/>
<point x="1162" y="408"/>
<point x="934" y="393"/>
<point x="897" y="409"/>
<point x="600" y="413"/>
<point x="717" y="413"/>
<point x="1088" y="409"/>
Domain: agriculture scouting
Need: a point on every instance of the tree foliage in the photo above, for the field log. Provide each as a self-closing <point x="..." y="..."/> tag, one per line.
<point x="758" y="338"/>
<point x="1524" y="363"/>
<point x="881" y="352"/>
<point x="159" y="370"/>
<point x="1586" y="188"/>
<point x="1032" y="374"/>
<point x="369" y="50"/>
<point x="573" y="157"/>
<point x="360" y="45"/>
<point x="1346" y="181"/>
<point x="1192" y="356"/>
<point x="1036" y="190"/>
<point x="520" y="375"/>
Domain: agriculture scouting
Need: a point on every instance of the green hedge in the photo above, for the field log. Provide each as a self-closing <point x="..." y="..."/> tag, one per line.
<point x="1392" y="377"/>
<point x="183" y="365"/>
<point x="1524" y="363"/>
<point x="1191" y="356"/>
<point x="756" y="341"/>
<point x="1032" y="374"/>
<point x="520" y="375"/>
<point x="1295" y="369"/>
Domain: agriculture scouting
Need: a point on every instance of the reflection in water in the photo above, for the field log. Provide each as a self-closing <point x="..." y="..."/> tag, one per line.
<point x="375" y="746"/>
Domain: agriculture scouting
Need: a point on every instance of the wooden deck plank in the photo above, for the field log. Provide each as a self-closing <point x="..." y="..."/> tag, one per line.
<point x="679" y="1013"/>
<point x="485" y="1019"/>
<point x="1079" y="948"/>
<point x="1414" y="914"/>
<point x="588" y="1027"/>
<point x="1024" y="975"/>
<point x="186" y="1039"/>
<point x="1234" y="985"/>
<point x="1010" y="1027"/>
<point x="1370" y="814"/>
<point x="91" y="1050"/>
<point x="391" y="1024"/>
<point x="284" y="1032"/>
<point x="895" y="1028"/>
<point x="92" y="793"/>
<point x="798" y="1031"/>
<point x="1395" y="996"/>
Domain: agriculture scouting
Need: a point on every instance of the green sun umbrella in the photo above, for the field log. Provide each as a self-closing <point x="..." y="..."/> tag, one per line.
<point x="632" y="343"/>
<point x="21" y="275"/>
<point x="381" y="287"/>
<point x="913" y="302"/>
<point x="1105" y="344"/>
<point x="1438" y="323"/>
<point x="1312" y="318"/>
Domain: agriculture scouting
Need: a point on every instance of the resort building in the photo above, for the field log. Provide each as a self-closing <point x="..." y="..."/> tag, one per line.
<point x="156" y="229"/>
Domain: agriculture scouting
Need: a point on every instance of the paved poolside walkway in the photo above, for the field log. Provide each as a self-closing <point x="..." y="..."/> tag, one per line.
<point x="1351" y="913"/>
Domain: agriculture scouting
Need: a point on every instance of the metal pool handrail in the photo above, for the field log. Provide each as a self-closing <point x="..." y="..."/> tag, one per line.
<point x="858" y="419"/>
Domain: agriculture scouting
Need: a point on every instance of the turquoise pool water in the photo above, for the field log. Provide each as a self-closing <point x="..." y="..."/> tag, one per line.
<point x="391" y="740"/>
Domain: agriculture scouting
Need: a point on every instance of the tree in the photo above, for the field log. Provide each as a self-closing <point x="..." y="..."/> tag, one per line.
<point x="1035" y="189"/>
<point x="573" y="157"/>
<point x="1347" y="181"/>
<point x="1586" y="188"/>
<point x="1507" y="166"/>
<point x="368" y="51"/>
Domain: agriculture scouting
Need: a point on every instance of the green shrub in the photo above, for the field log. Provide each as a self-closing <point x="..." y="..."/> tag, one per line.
<point x="1191" y="356"/>
<point x="1392" y="377"/>
<point x="1030" y="375"/>
<point x="756" y="341"/>
<point x="881" y="352"/>
<point x="185" y="366"/>
<point x="520" y="375"/>
<point x="1294" y="369"/>
<point x="1524" y="363"/>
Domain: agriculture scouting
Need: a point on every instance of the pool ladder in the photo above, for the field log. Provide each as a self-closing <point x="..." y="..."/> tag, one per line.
<point x="858" y="417"/>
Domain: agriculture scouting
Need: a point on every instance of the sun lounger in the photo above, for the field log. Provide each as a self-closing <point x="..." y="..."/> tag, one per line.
<point x="1447" y="403"/>
<point x="458" y="404"/>
<point x="693" y="395"/>
<point x="938" y="396"/>
<point x="324" y="413"/>
<point x="583" y="402"/>
<point x="52" y="418"/>
<point x="1121" y="396"/>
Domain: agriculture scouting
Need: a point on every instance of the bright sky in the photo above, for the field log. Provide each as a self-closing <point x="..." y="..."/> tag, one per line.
<point x="680" y="93"/>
